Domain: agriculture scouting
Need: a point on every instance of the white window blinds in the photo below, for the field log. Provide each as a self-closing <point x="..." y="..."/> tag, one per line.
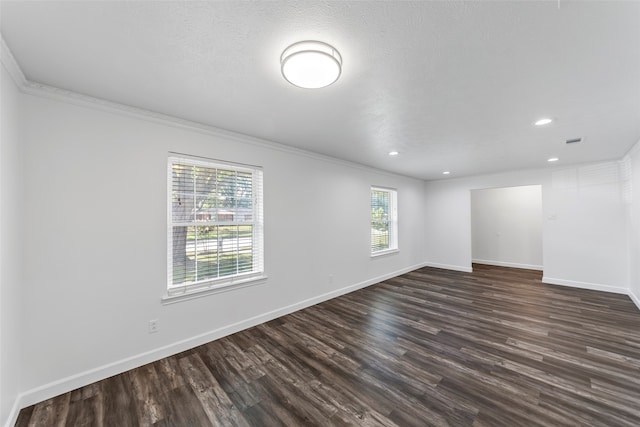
<point x="384" y="220"/>
<point x="215" y="225"/>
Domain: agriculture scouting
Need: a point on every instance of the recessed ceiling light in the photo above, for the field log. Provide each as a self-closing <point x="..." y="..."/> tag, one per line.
<point x="553" y="159"/>
<point x="543" y="122"/>
<point x="393" y="153"/>
<point x="446" y="173"/>
<point x="311" y="64"/>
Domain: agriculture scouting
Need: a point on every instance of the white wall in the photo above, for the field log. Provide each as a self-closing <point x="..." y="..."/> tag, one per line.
<point x="584" y="223"/>
<point x="633" y="159"/>
<point x="588" y="240"/>
<point x="84" y="189"/>
<point x="95" y="264"/>
<point x="506" y="226"/>
<point x="10" y="244"/>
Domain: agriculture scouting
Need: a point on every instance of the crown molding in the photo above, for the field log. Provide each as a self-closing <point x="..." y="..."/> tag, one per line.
<point x="10" y="64"/>
<point x="76" y="98"/>
<point x="67" y="96"/>
<point x="635" y="149"/>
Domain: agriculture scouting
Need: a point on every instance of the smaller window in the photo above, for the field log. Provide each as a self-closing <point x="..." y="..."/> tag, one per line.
<point x="384" y="221"/>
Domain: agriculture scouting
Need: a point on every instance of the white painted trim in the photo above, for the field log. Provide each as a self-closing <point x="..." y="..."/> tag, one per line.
<point x="635" y="148"/>
<point x="584" y="285"/>
<point x="213" y="290"/>
<point x="10" y="64"/>
<point x="634" y="298"/>
<point x="75" y="98"/>
<point x="81" y="379"/>
<point x="507" y="264"/>
<point x="449" y="267"/>
<point x="63" y="95"/>
<point x="15" y="411"/>
<point x="384" y="253"/>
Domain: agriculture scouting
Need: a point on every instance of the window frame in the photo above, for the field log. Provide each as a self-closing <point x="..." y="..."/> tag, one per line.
<point x="217" y="284"/>
<point x="392" y="222"/>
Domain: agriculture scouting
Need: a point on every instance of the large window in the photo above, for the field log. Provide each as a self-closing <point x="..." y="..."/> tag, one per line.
<point x="215" y="227"/>
<point x="384" y="221"/>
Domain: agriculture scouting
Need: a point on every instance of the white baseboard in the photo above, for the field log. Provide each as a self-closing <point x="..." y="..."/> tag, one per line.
<point x="508" y="264"/>
<point x="585" y="285"/>
<point x="448" y="267"/>
<point x="81" y="379"/>
<point x="13" y="414"/>
<point x="635" y="299"/>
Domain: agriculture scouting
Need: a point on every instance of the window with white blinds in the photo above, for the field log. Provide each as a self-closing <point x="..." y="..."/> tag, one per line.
<point x="215" y="226"/>
<point x="384" y="221"/>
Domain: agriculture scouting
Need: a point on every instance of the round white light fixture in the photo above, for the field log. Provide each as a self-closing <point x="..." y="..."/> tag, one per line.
<point x="446" y="173"/>
<point x="393" y="153"/>
<point x="553" y="159"/>
<point x="543" y="122"/>
<point x="311" y="64"/>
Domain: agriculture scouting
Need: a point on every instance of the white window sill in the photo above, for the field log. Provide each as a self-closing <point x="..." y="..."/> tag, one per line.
<point x="384" y="253"/>
<point x="190" y="294"/>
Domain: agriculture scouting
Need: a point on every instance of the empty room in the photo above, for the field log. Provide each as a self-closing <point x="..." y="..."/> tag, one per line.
<point x="282" y="213"/>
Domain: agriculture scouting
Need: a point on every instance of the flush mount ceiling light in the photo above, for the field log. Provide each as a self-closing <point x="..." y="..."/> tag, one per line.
<point x="393" y="153"/>
<point x="446" y="173"/>
<point x="543" y="122"/>
<point x="311" y="64"/>
<point x="552" y="159"/>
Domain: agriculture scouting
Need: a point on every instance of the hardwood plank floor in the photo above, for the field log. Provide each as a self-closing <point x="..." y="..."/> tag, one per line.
<point x="495" y="347"/>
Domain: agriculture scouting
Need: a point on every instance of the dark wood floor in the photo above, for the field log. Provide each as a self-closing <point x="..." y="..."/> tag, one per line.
<point x="432" y="347"/>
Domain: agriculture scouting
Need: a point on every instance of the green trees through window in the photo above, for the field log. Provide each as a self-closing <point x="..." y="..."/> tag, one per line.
<point x="383" y="220"/>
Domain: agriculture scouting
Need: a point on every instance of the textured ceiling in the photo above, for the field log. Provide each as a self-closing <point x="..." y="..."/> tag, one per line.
<point x="450" y="85"/>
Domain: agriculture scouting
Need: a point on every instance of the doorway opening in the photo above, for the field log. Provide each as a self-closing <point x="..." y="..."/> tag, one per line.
<point x="506" y="227"/>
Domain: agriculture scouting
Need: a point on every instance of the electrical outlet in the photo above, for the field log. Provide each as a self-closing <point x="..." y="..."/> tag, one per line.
<point x="330" y="278"/>
<point x="153" y="326"/>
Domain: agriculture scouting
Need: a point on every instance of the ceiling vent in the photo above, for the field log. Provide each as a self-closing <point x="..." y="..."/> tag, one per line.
<point x="573" y="141"/>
